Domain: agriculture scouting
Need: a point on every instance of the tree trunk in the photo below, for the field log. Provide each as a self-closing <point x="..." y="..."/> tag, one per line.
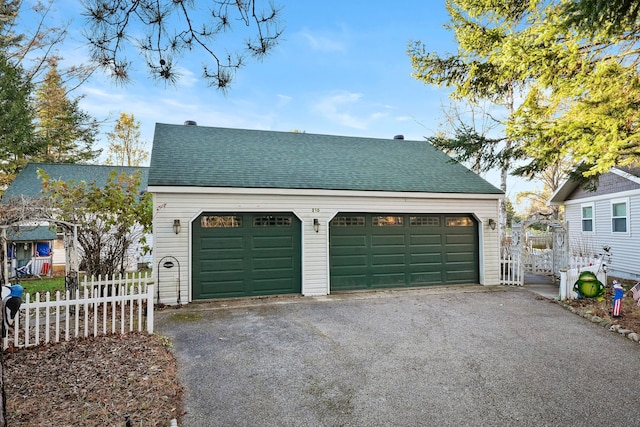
<point x="504" y="170"/>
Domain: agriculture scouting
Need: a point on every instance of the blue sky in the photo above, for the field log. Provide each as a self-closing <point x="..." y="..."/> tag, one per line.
<point x="341" y="69"/>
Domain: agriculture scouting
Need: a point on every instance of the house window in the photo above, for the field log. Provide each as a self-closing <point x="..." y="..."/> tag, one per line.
<point x="619" y="216"/>
<point x="587" y="218"/>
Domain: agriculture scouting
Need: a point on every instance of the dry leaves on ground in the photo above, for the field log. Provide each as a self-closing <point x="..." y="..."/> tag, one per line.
<point x="96" y="381"/>
<point x="630" y="312"/>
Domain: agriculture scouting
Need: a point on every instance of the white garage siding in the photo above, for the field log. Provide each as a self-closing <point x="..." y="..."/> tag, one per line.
<point x="187" y="203"/>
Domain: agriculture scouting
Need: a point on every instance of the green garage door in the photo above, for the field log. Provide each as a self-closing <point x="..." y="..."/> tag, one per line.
<point x="389" y="250"/>
<point x="246" y="254"/>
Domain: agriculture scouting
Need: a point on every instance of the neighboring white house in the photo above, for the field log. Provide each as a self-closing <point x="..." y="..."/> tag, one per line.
<point x="609" y="215"/>
<point x="250" y="213"/>
<point x="28" y="184"/>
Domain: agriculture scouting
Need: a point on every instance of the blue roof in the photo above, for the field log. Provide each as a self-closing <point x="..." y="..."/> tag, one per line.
<point x="26" y="233"/>
<point x="219" y="157"/>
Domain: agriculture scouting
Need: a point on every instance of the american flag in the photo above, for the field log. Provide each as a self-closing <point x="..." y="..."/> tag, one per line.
<point x="635" y="292"/>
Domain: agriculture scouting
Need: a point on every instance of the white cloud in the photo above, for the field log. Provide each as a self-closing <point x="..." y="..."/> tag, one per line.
<point x="283" y="100"/>
<point x="323" y="43"/>
<point x="346" y="109"/>
<point x="187" y="78"/>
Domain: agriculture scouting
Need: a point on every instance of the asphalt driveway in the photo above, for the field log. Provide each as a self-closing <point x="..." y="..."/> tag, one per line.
<point x="443" y="356"/>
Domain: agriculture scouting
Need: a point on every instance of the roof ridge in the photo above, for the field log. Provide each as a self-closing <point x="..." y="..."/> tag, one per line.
<point x="295" y="133"/>
<point x="84" y="165"/>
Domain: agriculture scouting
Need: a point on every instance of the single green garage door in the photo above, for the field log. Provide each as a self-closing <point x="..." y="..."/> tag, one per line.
<point x="246" y="254"/>
<point x="391" y="250"/>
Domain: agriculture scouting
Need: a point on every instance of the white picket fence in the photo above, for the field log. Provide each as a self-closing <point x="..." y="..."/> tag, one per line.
<point x="538" y="261"/>
<point x="101" y="307"/>
<point x="583" y="261"/>
<point x="511" y="269"/>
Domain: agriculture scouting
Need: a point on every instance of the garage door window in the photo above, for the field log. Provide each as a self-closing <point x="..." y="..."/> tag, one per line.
<point x="348" y="221"/>
<point x="459" y="221"/>
<point x="387" y="221"/>
<point x="424" y="221"/>
<point x="220" y="221"/>
<point x="272" y="221"/>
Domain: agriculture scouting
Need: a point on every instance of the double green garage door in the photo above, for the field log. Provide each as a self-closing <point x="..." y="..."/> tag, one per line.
<point x="250" y="254"/>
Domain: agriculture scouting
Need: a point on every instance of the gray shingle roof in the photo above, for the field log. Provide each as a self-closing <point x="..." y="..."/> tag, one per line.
<point x="219" y="157"/>
<point x="635" y="171"/>
<point x="27" y="182"/>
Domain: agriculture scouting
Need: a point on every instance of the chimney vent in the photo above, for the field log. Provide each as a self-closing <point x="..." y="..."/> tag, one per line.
<point x="190" y="123"/>
<point x="398" y="137"/>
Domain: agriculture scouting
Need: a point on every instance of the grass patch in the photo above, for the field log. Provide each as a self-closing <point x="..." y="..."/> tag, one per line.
<point x="186" y="317"/>
<point x="53" y="284"/>
<point x="46" y="284"/>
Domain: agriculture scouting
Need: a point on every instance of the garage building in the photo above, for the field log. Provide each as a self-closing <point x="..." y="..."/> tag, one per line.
<point x="242" y="213"/>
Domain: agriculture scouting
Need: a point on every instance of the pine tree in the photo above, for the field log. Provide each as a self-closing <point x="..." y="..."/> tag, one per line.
<point x="161" y="31"/>
<point x="574" y="65"/>
<point x="17" y="142"/>
<point x="477" y="72"/>
<point x="67" y="132"/>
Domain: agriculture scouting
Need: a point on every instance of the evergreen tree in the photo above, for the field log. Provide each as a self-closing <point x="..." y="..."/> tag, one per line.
<point x="162" y="30"/>
<point x="511" y="213"/>
<point x="17" y="142"/>
<point x="477" y="73"/>
<point x="67" y="132"/>
<point x="8" y="14"/>
<point x="605" y="19"/>
<point x="574" y="65"/>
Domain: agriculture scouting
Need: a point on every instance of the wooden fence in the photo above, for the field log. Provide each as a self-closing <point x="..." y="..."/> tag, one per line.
<point x="100" y="307"/>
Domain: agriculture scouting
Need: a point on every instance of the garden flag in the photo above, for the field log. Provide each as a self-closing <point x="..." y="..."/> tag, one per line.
<point x="618" y="293"/>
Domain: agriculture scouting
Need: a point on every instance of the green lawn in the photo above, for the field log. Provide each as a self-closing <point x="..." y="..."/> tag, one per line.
<point x="53" y="284"/>
<point x="46" y="284"/>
